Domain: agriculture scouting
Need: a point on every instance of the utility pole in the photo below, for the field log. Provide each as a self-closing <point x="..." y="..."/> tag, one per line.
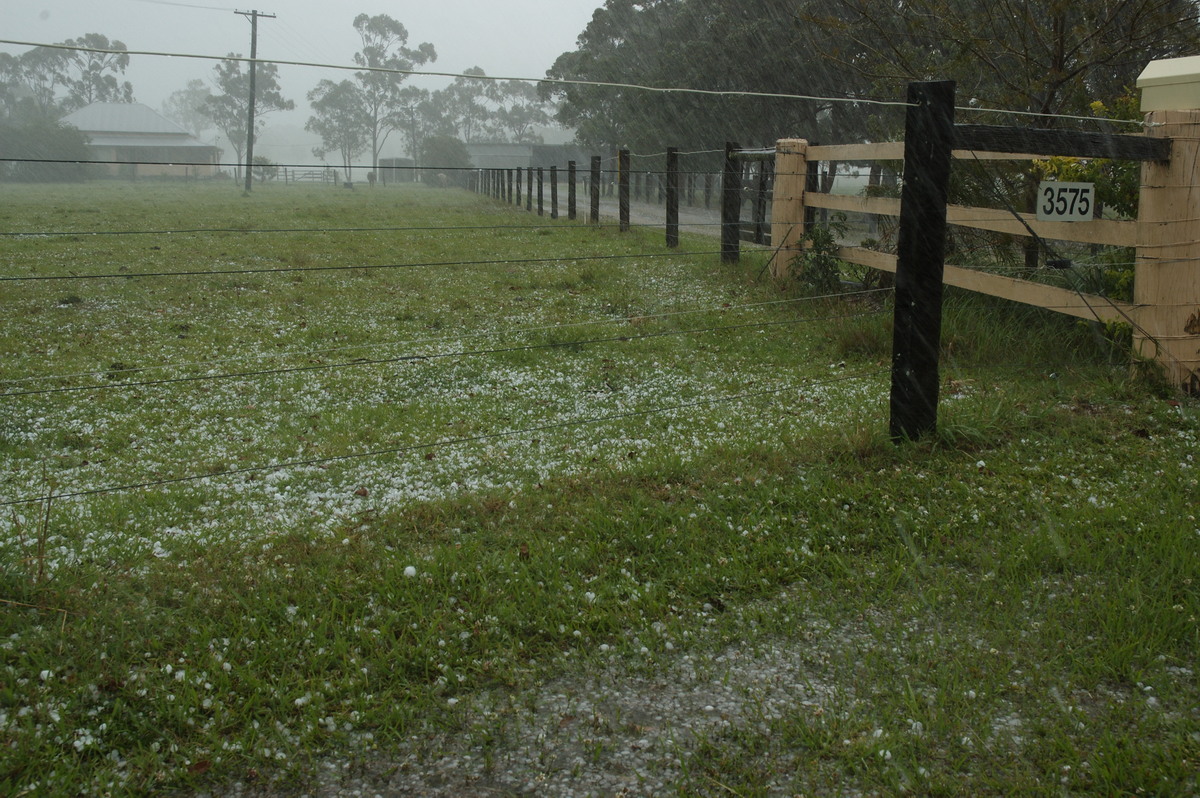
<point x="253" y="17"/>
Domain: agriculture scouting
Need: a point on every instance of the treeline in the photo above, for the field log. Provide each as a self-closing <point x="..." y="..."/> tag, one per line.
<point x="353" y="117"/>
<point x="1040" y="56"/>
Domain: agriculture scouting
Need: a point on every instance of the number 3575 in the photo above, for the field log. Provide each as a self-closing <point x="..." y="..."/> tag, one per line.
<point x="1065" y="201"/>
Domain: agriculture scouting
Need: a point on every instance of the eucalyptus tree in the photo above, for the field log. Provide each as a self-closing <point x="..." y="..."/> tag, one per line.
<point x="1051" y="57"/>
<point x="61" y="79"/>
<point x="92" y="69"/>
<point x="229" y="108"/>
<point x="754" y="61"/>
<point x="385" y="60"/>
<point x="463" y="106"/>
<point x="416" y="115"/>
<point x="340" y="119"/>
<point x="519" y="110"/>
<point x="186" y="106"/>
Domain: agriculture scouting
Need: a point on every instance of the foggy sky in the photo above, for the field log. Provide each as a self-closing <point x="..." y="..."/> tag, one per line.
<point x="511" y="38"/>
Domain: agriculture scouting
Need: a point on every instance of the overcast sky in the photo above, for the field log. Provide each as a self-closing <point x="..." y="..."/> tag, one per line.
<point x="512" y="38"/>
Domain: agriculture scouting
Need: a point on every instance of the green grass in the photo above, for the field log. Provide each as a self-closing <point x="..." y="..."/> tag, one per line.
<point x="1007" y="608"/>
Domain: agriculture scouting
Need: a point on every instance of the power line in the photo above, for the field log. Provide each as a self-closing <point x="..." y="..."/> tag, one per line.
<point x="416" y="73"/>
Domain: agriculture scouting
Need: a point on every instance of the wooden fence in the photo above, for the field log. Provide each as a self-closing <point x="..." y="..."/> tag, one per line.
<point x="1165" y="311"/>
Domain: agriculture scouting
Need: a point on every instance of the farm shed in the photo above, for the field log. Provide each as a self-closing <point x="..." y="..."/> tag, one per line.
<point x="139" y="142"/>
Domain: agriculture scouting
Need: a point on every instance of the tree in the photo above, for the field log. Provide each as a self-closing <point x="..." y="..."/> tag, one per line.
<point x="230" y="108"/>
<point x="264" y="168"/>
<point x="186" y="106"/>
<point x="26" y="142"/>
<point x="87" y="75"/>
<point x="519" y="109"/>
<point x="1041" y="56"/>
<point x="414" y="115"/>
<point x="340" y="119"/>
<point x="91" y="72"/>
<point x="383" y="48"/>
<point x="719" y="46"/>
<point x="33" y="78"/>
<point x="463" y="107"/>
<point x="446" y="155"/>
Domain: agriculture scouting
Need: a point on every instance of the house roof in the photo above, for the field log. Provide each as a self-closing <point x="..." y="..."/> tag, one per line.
<point x="122" y="118"/>
<point x="129" y="125"/>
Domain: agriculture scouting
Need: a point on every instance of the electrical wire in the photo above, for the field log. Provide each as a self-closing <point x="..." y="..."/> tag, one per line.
<point x="489" y="78"/>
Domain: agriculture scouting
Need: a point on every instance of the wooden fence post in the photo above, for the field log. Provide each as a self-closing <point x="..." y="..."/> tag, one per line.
<point x="731" y="206"/>
<point x="594" y="210"/>
<point x="787" y="205"/>
<point x="529" y="188"/>
<point x="553" y="192"/>
<point x="1166" y="285"/>
<point x="760" y="204"/>
<point x="518" y="171"/>
<point x="672" y="197"/>
<point x="920" y="252"/>
<point x="509" y="174"/>
<point x="571" y="190"/>
<point x="623" y="188"/>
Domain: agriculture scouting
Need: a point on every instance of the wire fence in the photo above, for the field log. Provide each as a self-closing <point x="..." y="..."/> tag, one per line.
<point x="44" y="397"/>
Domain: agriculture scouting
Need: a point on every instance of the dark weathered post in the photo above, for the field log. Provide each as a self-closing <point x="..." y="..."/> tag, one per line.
<point x="920" y="251"/>
<point x="553" y="192"/>
<point x="541" y="177"/>
<point x="518" y="171"/>
<point x="672" y="197"/>
<point x="731" y="205"/>
<point x="594" y="210"/>
<point x="623" y="188"/>
<point x="571" y="190"/>
<point x="509" y="174"/>
<point x="529" y="188"/>
<point x="760" y="205"/>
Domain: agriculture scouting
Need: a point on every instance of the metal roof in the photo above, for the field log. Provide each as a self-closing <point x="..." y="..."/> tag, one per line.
<point x="129" y="125"/>
<point x="122" y="118"/>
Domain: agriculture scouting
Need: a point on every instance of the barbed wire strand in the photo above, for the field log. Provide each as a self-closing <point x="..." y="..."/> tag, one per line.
<point x="458" y="337"/>
<point x="446" y="442"/>
<point x="343" y="268"/>
<point x="360" y="363"/>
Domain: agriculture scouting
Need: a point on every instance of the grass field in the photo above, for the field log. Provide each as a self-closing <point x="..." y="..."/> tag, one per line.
<point x="406" y="465"/>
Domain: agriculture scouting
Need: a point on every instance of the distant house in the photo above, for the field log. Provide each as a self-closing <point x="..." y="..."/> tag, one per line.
<point x="520" y="156"/>
<point x="139" y="142"/>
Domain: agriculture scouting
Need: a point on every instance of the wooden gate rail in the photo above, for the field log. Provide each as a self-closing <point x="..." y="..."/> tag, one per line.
<point x="1165" y="313"/>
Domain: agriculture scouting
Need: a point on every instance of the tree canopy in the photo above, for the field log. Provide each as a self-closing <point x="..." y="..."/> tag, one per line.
<point x="54" y="81"/>
<point x="340" y="119"/>
<point x="386" y="58"/>
<point x="229" y="109"/>
<point x="1046" y="56"/>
